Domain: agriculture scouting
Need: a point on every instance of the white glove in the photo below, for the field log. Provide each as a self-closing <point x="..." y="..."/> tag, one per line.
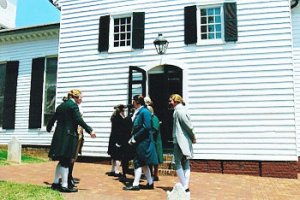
<point x="131" y="140"/>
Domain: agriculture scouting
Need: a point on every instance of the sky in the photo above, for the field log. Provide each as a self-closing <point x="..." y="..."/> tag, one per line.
<point x="36" y="12"/>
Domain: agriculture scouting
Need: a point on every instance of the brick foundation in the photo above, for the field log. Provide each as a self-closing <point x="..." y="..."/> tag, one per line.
<point x="253" y="168"/>
<point x="207" y="166"/>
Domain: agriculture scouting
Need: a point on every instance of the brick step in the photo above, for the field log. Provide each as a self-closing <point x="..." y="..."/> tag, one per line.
<point x="166" y="172"/>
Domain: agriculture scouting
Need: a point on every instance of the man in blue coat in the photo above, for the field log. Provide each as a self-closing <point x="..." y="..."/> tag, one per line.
<point x="142" y="138"/>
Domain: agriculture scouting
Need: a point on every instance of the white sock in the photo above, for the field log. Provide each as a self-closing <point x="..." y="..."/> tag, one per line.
<point x="112" y="166"/>
<point x="147" y="173"/>
<point x="188" y="195"/>
<point x="57" y="174"/>
<point x="187" y="174"/>
<point x="181" y="176"/>
<point x="117" y="166"/>
<point x="137" y="176"/>
<point x="64" y="176"/>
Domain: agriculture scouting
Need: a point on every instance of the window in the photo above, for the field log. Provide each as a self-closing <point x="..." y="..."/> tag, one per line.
<point x="122" y="32"/>
<point x="50" y="89"/>
<point x="43" y="91"/>
<point x="2" y="88"/>
<point x="210" y="23"/>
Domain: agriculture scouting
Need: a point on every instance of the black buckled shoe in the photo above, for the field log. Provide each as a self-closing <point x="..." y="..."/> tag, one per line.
<point x="110" y="174"/>
<point x="131" y="187"/>
<point x="68" y="189"/>
<point x="149" y="187"/>
<point x="55" y="186"/>
<point x="76" y="180"/>
<point x="123" y="179"/>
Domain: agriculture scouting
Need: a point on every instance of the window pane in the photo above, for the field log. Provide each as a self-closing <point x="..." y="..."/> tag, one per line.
<point x="122" y="43"/>
<point x="203" y="29"/>
<point x="116" y="29"/>
<point x="211" y="28"/>
<point x="218" y="19"/>
<point x="203" y="12"/>
<point x="116" y="21"/>
<point x="116" y="44"/>
<point x="116" y="37"/>
<point x="218" y="27"/>
<point x="203" y="20"/>
<point x="210" y="36"/>
<point x="210" y="19"/>
<point x="50" y="89"/>
<point x="210" y="11"/>
<point x="2" y="88"/>
<point x="217" y="11"/>
<point x="218" y="35"/>
<point x="203" y="36"/>
<point x="122" y="28"/>
<point x="122" y="36"/>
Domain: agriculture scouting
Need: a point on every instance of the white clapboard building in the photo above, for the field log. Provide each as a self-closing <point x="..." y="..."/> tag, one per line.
<point x="235" y="62"/>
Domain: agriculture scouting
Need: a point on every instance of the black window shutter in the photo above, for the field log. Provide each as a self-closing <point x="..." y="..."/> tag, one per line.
<point x="103" y="40"/>
<point x="9" y="104"/>
<point x="36" y="93"/>
<point x="138" y="30"/>
<point x="190" y="25"/>
<point x="230" y="19"/>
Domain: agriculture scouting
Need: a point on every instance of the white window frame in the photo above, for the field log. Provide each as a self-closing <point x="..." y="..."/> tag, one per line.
<point x="210" y="41"/>
<point x="111" y="34"/>
<point x="43" y="127"/>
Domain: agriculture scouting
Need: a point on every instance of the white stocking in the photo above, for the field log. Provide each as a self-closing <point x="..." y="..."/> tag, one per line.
<point x="137" y="176"/>
<point x="57" y="173"/>
<point x="112" y="165"/>
<point x="181" y="176"/>
<point x="64" y="176"/>
<point x="117" y="166"/>
<point x="187" y="174"/>
<point x="147" y="173"/>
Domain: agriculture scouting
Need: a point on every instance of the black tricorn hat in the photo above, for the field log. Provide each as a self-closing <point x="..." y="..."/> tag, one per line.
<point x="120" y="106"/>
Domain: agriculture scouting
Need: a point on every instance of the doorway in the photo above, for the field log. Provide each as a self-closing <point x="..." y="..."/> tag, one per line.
<point x="163" y="81"/>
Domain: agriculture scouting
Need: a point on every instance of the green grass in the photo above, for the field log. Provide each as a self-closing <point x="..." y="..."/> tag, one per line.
<point x="16" y="191"/>
<point x="24" y="158"/>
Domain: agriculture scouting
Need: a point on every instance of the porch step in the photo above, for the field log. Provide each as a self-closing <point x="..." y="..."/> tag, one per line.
<point x="167" y="168"/>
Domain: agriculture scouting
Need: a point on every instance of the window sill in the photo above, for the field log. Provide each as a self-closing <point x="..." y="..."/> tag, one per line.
<point x="116" y="50"/>
<point x="210" y="42"/>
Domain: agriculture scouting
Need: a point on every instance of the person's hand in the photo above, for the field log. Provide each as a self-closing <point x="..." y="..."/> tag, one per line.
<point x="194" y="141"/>
<point x="93" y="134"/>
<point x="131" y="141"/>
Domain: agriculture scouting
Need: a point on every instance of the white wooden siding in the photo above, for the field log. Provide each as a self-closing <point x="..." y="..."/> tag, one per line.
<point x="24" y="51"/>
<point x="241" y="93"/>
<point x="296" y="56"/>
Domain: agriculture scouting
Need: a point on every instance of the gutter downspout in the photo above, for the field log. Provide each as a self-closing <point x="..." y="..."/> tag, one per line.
<point x="295" y="4"/>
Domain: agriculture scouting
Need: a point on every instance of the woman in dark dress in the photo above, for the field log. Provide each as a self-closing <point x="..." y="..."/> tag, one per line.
<point x="118" y="147"/>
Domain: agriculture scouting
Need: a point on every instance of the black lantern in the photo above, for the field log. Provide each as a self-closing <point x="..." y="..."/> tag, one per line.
<point x="161" y="44"/>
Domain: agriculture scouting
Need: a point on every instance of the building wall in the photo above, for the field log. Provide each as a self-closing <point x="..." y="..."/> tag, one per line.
<point x="240" y="95"/>
<point x="24" y="49"/>
<point x="296" y="60"/>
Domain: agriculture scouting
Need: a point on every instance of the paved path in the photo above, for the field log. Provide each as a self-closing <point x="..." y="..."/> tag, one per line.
<point x="96" y="185"/>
